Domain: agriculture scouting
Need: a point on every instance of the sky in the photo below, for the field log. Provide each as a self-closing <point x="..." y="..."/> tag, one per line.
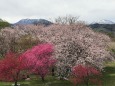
<point x="87" y="10"/>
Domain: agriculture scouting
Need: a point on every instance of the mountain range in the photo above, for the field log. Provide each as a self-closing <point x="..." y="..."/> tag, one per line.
<point x="33" y="21"/>
<point x="46" y="22"/>
<point x="102" y="25"/>
<point x="103" y="22"/>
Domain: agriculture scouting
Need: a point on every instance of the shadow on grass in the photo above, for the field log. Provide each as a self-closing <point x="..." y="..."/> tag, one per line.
<point x="109" y="70"/>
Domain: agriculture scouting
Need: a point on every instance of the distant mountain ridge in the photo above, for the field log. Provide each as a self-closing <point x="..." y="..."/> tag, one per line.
<point x="103" y="26"/>
<point x="33" y="21"/>
<point x="104" y="22"/>
<point x="106" y="27"/>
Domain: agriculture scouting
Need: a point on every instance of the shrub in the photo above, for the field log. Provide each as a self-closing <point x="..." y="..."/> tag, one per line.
<point x="86" y="75"/>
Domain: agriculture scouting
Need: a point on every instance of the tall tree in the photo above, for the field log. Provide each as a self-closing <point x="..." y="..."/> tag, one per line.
<point x="76" y="44"/>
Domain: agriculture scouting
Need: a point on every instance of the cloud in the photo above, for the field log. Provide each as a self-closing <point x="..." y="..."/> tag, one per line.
<point x="88" y="10"/>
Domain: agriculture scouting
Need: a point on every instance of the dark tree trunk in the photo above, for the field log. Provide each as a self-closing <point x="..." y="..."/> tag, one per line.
<point x="28" y="76"/>
<point x="87" y="82"/>
<point x="15" y="83"/>
<point x="53" y="72"/>
<point x="43" y="79"/>
<point x="16" y="79"/>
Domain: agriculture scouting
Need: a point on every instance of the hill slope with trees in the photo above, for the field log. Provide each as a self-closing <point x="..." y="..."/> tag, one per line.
<point x="4" y="24"/>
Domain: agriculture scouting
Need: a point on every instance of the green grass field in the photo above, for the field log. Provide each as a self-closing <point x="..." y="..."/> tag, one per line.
<point x="108" y="79"/>
<point x="109" y="75"/>
<point x="49" y="81"/>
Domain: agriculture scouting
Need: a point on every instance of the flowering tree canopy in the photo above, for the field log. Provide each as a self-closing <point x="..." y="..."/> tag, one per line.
<point x="76" y="44"/>
<point x="39" y="59"/>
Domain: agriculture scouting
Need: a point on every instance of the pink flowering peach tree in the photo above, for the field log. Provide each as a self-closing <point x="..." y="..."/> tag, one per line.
<point x="39" y="59"/>
<point x="11" y="67"/>
<point x="86" y="75"/>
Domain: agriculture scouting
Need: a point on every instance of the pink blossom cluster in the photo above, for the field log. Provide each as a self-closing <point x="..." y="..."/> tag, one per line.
<point x="39" y="59"/>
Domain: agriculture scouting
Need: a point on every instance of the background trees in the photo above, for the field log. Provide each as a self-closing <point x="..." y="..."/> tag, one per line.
<point x="4" y="24"/>
<point x="16" y="41"/>
<point x="68" y="19"/>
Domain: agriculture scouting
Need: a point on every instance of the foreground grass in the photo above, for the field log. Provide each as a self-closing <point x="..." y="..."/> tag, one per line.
<point x="108" y="79"/>
<point x="50" y="81"/>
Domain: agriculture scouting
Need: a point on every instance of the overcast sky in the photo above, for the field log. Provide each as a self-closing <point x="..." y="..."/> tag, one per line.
<point x="88" y="10"/>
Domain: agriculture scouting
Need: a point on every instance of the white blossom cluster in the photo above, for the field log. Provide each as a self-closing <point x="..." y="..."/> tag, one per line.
<point x="76" y="44"/>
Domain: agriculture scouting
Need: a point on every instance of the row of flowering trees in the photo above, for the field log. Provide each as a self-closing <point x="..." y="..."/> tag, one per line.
<point x="37" y="60"/>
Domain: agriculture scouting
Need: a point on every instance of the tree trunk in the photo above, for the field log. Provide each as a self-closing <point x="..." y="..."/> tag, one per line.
<point x="53" y="72"/>
<point x="43" y="79"/>
<point x="16" y="79"/>
<point x="87" y="82"/>
<point x="15" y="83"/>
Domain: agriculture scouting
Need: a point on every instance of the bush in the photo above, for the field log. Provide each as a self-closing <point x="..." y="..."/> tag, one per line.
<point x="86" y="75"/>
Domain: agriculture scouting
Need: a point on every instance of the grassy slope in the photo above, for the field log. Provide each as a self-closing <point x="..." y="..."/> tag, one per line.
<point x="109" y="75"/>
<point x="108" y="79"/>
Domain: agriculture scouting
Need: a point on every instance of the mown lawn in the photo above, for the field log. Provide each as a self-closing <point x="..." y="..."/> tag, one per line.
<point x="49" y="81"/>
<point x="108" y="79"/>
